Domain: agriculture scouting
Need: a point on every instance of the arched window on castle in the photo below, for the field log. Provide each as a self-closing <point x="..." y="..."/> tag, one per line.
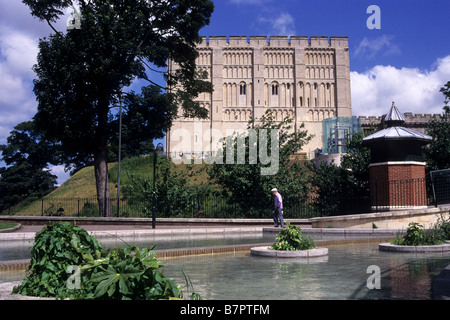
<point x="242" y="89"/>
<point x="275" y="89"/>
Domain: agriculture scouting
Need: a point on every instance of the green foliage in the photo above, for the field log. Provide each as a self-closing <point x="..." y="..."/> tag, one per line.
<point x="116" y="274"/>
<point x="290" y="238"/>
<point x="173" y="193"/>
<point x="81" y="75"/>
<point x="437" y="153"/>
<point x="444" y="226"/>
<point x="245" y="182"/>
<point x="416" y="235"/>
<point x="89" y="210"/>
<point x="356" y="165"/>
<point x="26" y="155"/>
<point x="129" y="274"/>
<point x="56" y="247"/>
<point x="335" y="184"/>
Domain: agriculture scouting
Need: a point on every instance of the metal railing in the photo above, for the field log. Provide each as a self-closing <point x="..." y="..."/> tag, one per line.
<point x="383" y="196"/>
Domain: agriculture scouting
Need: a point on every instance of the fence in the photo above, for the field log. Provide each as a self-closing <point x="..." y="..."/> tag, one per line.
<point x="440" y="186"/>
<point x="195" y="206"/>
<point x="395" y="194"/>
<point x="398" y="194"/>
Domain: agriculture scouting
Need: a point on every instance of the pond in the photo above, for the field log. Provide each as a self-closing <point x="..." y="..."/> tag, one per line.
<point x="343" y="274"/>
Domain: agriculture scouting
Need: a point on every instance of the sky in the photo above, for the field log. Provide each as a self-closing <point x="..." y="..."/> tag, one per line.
<point x="400" y="52"/>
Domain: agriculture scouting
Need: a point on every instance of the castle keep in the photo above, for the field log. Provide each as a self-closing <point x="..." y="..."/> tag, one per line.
<point x="300" y="77"/>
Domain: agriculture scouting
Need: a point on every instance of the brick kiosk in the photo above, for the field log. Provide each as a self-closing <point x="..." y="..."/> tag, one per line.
<point x="397" y="170"/>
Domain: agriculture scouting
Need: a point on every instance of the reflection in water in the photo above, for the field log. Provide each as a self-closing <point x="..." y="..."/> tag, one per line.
<point x="341" y="275"/>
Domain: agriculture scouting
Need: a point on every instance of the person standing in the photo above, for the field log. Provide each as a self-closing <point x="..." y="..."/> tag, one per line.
<point x="278" y="211"/>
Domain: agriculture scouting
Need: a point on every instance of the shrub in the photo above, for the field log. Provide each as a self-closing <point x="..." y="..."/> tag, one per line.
<point x="416" y="235"/>
<point x="56" y="247"/>
<point x="90" y="209"/>
<point x="130" y="274"/>
<point x="291" y="238"/>
<point x="120" y="273"/>
<point x="444" y="226"/>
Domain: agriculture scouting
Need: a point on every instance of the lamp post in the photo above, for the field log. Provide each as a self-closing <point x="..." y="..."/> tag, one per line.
<point x="158" y="150"/>
<point x="119" y="154"/>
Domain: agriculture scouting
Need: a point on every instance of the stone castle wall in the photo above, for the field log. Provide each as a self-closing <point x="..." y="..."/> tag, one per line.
<point x="300" y="77"/>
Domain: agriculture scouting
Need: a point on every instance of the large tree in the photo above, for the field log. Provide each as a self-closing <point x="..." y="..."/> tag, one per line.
<point x="83" y="71"/>
<point x="26" y="155"/>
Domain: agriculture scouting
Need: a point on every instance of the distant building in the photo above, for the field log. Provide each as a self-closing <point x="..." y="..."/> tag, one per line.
<point x="300" y="77"/>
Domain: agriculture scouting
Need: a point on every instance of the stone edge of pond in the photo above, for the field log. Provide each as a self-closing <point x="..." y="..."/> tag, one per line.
<point x="419" y="249"/>
<point x="265" y="251"/>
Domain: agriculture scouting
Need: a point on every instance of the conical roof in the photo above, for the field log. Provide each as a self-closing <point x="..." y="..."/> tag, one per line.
<point x="394" y="117"/>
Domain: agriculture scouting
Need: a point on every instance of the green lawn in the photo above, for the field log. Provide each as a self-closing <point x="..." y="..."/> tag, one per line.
<point x="7" y="225"/>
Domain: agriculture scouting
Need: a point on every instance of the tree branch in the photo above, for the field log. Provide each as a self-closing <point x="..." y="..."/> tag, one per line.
<point x="56" y="31"/>
<point x="154" y="83"/>
<point x="151" y="69"/>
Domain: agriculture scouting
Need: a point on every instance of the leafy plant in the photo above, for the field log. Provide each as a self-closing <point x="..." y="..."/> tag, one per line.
<point x="416" y="235"/>
<point x="56" y="247"/>
<point x="118" y="274"/>
<point x="445" y="227"/>
<point x="130" y="274"/>
<point x="290" y="238"/>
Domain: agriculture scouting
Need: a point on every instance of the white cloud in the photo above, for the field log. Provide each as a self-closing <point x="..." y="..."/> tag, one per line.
<point x="281" y="24"/>
<point x="19" y="37"/>
<point x="371" y="48"/>
<point x="61" y="173"/>
<point x="18" y="53"/>
<point x="413" y="90"/>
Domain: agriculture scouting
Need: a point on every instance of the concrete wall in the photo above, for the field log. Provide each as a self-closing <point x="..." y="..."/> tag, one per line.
<point x="384" y="220"/>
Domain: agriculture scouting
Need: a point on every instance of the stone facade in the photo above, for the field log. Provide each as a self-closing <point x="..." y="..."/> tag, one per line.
<point x="300" y="77"/>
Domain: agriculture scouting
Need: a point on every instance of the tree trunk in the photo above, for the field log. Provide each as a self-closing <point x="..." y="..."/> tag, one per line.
<point x="100" y="163"/>
<point x="102" y="183"/>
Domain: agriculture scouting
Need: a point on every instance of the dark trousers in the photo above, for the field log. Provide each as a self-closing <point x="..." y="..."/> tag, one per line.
<point x="278" y="215"/>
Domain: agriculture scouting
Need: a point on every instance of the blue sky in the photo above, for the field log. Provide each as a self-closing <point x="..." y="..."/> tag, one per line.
<point x="407" y="60"/>
<point x="415" y="28"/>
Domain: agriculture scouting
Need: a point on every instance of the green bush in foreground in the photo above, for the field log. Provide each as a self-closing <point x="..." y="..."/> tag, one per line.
<point x="66" y="262"/>
<point x="290" y="238"/>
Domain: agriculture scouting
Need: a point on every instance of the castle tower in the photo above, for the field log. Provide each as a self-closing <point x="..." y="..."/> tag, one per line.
<point x="307" y="79"/>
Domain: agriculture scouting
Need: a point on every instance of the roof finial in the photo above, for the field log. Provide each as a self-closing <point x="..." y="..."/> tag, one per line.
<point x="394" y="117"/>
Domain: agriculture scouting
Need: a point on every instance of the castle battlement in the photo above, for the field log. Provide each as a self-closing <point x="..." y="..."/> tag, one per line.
<point x="409" y="117"/>
<point x="417" y="121"/>
<point x="274" y="41"/>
